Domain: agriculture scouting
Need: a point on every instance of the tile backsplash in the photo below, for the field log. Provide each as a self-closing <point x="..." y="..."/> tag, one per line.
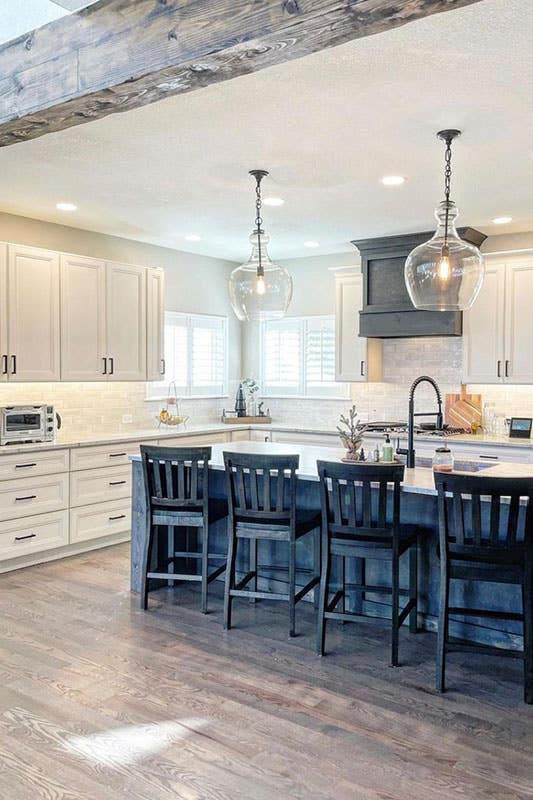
<point x="88" y="408"/>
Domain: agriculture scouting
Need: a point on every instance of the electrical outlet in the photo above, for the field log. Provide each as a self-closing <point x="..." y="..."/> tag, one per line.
<point x="127" y="418"/>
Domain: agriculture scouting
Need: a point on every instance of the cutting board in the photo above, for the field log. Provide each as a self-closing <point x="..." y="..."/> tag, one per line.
<point x="463" y="410"/>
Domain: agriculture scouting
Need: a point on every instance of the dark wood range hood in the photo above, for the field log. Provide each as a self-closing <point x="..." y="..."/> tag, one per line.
<point x="387" y="309"/>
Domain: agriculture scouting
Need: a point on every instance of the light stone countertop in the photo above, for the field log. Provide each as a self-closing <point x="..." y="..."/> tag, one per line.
<point x="416" y="481"/>
<point x="147" y="434"/>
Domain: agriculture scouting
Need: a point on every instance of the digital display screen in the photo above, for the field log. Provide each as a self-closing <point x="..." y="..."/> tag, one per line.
<point x="520" y="427"/>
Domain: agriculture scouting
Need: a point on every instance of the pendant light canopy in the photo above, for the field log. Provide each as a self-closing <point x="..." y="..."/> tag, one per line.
<point x="259" y="289"/>
<point x="445" y="273"/>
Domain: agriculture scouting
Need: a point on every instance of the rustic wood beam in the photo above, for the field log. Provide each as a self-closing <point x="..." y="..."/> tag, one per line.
<point x="117" y="55"/>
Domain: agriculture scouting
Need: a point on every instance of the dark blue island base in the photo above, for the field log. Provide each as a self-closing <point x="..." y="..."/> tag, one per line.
<point x="419" y="506"/>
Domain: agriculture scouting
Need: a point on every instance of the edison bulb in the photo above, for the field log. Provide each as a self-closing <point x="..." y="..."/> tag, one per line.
<point x="260" y="287"/>
<point x="443" y="268"/>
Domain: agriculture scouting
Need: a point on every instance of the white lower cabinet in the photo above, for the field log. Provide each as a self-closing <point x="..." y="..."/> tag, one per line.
<point x="261" y="436"/>
<point x="25" y="497"/>
<point x="101" y="519"/>
<point x="20" y="537"/>
<point x="99" y="485"/>
<point x="186" y="441"/>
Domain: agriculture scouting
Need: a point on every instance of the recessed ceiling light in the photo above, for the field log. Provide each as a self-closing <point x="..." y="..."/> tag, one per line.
<point x="502" y="220"/>
<point x="193" y="237"/>
<point x="392" y="180"/>
<point x="273" y="201"/>
<point x="66" y="207"/>
<point x="311" y="243"/>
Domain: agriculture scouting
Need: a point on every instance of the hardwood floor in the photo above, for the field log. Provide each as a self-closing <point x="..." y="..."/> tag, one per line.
<point x="100" y="700"/>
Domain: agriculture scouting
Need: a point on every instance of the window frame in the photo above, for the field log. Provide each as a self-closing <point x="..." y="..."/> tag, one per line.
<point x="157" y="390"/>
<point x="302" y="391"/>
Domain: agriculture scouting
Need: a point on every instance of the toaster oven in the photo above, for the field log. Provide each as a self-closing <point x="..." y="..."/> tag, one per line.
<point x="28" y="424"/>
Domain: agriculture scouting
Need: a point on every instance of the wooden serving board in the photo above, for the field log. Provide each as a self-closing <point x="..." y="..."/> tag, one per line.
<point x="463" y="410"/>
<point x="246" y="420"/>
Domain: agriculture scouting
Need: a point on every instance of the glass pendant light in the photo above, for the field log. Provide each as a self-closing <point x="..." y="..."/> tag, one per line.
<point x="259" y="289"/>
<point x="445" y="273"/>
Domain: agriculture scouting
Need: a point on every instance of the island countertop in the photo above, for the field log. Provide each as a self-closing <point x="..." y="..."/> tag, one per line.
<point x="416" y="481"/>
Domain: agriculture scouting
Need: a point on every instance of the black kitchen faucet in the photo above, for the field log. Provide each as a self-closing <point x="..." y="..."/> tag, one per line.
<point x="410" y="451"/>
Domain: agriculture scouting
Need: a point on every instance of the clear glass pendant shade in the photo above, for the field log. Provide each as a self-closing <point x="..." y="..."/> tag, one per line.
<point x="258" y="297"/>
<point x="445" y="273"/>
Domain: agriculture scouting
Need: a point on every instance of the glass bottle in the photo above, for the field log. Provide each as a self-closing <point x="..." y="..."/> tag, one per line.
<point x="443" y="460"/>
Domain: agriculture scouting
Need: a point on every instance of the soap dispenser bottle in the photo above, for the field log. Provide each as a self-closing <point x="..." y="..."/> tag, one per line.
<point x="387" y="452"/>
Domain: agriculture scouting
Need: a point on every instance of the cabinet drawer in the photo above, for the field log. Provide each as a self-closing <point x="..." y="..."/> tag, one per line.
<point x="99" y="485"/>
<point x="103" y="519"/>
<point x="186" y="441"/>
<point x="18" y="537"/>
<point x="25" y="497"/>
<point x="30" y="464"/>
<point x="104" y="455"/>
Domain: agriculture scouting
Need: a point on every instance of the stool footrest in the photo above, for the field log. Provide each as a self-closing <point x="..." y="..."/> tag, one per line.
<point x="484" y="612"/>
<point x="173" y="576"/>
<point x="365" y="587"/>
<point x="463" y="646"/>
<point x="258" y="595"/>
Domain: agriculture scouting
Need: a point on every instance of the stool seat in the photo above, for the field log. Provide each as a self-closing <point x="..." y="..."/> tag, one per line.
<point x="193" y="516"/>
<point x="376" y="538"/>
<point x="265" y="528"/>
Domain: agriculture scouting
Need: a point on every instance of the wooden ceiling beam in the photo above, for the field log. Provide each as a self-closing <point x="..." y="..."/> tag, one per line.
<point x="117" y="55"/>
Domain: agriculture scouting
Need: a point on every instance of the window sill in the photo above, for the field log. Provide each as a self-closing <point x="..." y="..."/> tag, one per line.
<point x="303" y="397"/>
<point x="186" y="397"/>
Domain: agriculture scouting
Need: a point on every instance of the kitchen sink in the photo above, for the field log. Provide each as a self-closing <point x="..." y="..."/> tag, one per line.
<point x="459" y="465"/>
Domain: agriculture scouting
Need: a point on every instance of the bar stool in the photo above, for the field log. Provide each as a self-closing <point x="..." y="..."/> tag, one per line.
<point x="490" y="542"/>
<point x="262" y="506"/>
<point x="176" y="482"/>
<point x="355" y="527"/>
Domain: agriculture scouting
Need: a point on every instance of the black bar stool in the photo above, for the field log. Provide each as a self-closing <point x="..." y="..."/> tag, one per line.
<point x="176" y="483"/>
<point x="490" y="542"/>
<point x="355" y="527"/>
<point x="262" y="506"/>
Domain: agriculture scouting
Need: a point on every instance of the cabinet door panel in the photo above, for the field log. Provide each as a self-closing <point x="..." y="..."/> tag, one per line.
<point x="126" y="322"/>
<point x="33" y="314"/>
<point x="155" y="324"/>
<point x="518" y="366"/>
<point x="357" y="359"/>
<point x="82" y="319"/>
<point x="483" y="330"/>
<point x="3" y="312"/>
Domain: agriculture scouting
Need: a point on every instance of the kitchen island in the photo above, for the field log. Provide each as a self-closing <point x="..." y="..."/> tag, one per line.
<point x="419" y="505"/>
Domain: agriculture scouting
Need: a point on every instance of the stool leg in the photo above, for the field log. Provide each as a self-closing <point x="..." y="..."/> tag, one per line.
<point x="395" y="608"/>
<point x="442" y="634"/>
<point x="527" y="601"/>
<point x="343" y="585"/>
<point x="317" y="538"/>
<point x="147" y="559"/>
<point x="253" y="567"/>
<point x="171" y="547"/>
<point x="205" y="565"/>
<point x="230" y="576"/>
<point x="413" y="586"/>
<point x="292" y="587"/>
<point x="323" y="599"/>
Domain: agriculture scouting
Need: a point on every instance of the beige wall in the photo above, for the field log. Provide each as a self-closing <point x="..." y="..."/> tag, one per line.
<point x="194" y="284"/>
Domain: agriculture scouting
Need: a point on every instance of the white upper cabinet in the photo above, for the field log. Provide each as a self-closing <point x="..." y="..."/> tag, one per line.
<point x="126" y="322"/>
<point x="518" y="363"/>
<point x="83" y="319"/>
<point x="498" y="329"/>
<point x="357" y="359"/>
<point x="155" y="324"/>
<point x="483" y="330"/>
<point x="3" y="313"/>
<point x="33" y="317"/>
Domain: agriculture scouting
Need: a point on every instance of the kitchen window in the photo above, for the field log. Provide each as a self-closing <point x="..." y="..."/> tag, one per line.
<point x="298" y="358"/>
<point x="195" y="356"/>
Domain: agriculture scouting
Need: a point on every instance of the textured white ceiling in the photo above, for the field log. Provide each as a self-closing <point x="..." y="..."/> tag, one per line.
<point x="327" y="127"/>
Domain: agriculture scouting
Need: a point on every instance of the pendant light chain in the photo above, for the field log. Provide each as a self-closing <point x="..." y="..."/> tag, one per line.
<point x="447" y="185"/>
<point x="258" y="222"/>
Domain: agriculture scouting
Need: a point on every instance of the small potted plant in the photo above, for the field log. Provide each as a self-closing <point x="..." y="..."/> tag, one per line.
<point x="251" y="387"/>
<point x="351" y="433"/>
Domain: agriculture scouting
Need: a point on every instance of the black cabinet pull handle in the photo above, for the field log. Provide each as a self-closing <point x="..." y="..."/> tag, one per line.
<point x="490" y="458"/>
<point x="116" y="455"/>
<point x="119" y="516"/>
<point x="13" y="365"/>
<point x="25" y="466"/>
<point x="29" y="536"/>
<point x="163" y="366"/>
<point x="116" y="483"/>
<point x="112" y="370"/>
<point x="104" y="371"/>
<point x="4" y="365"/>
<point x="362" y="369"/>
<point x="499" y="369"/>
<point x="28" y="497"/>
<point x="507" y="369"/>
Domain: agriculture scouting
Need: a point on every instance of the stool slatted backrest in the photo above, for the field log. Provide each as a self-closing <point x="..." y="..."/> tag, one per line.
<point x="176" y="478"/>
<point x="262" y="487"/>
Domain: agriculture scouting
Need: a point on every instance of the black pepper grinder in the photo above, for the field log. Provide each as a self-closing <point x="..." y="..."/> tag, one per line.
<point x="240" y="402"/>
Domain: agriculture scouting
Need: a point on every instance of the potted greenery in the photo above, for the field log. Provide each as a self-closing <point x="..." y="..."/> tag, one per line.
<point x="351" y="433"/>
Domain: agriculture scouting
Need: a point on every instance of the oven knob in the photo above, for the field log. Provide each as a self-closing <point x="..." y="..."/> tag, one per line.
<point x="50" y="429"/>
